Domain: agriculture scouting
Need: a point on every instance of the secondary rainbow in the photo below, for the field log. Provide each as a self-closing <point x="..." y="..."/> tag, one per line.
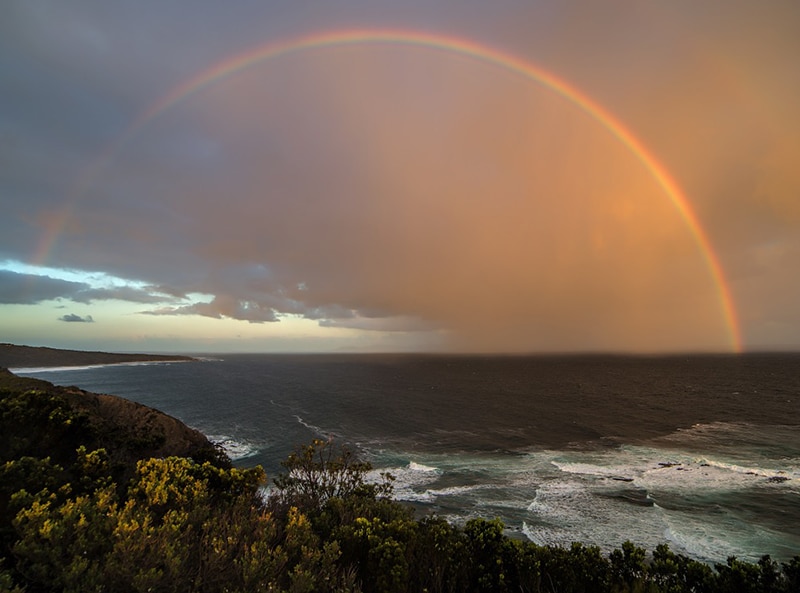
<point x="482" y="53"/>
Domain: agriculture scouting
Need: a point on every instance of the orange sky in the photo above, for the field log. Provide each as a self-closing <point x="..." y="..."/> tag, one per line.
<point x="399" y="197"/>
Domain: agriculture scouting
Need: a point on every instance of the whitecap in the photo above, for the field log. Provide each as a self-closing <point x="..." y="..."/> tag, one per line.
<point x="233" y="448"/>
<point x="564" y="511"/>
<point x="615" y="472"/>
<point x="459" y="490"/>
<point x="410" y="481"/>
<point x="674" y="471"/>
<point x="414" y="466"/>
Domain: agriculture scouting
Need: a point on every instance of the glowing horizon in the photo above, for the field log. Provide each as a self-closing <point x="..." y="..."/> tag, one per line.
<point x="531" y="72"/>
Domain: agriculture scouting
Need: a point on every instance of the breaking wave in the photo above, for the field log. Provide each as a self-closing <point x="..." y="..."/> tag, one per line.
<point x="234" y="449"/>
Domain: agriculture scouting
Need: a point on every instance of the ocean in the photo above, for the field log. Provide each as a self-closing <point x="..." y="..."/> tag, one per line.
<point x="701" y="452"/>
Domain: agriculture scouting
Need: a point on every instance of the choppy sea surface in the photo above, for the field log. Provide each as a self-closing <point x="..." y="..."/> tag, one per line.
<point x="700" y="452"/>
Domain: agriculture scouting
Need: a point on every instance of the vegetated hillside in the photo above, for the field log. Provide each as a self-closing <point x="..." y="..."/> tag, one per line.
<point x="42" y="422"/>
<point x="42" y="419"/>
<point x="63" y="446"/>
<point x="15" y="357"/>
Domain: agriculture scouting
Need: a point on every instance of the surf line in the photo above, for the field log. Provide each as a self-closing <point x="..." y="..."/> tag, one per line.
<point x="464" y="47"/>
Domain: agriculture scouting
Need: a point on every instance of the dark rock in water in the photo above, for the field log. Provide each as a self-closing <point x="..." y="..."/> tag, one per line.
<point x="668" y="464"/>
<point x="777" y="479"/>
<point x="621" y="479"/>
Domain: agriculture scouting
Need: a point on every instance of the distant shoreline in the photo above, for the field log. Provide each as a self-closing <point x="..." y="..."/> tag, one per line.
<point x="82" y="367"/>
<point x="28" y="358"/>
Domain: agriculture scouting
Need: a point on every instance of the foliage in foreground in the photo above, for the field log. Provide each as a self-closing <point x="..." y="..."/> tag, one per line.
<point x="186" y="526"/>
<point x="183" y="525"/>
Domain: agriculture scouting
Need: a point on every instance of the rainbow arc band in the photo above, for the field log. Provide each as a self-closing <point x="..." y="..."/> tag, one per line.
<point x="482" y="53"/>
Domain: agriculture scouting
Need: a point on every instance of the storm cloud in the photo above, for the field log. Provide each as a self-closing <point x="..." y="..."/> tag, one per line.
<point x="18" y="288"/>
<point x="25" y="289"/>
<point x="407" y="189"/>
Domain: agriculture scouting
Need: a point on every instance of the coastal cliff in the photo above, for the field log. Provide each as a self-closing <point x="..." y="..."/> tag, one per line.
<point x="40" y="419"/>
<point x="44" y="420"/>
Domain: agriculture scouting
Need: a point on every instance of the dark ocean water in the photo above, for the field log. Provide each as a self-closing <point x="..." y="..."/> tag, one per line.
<point x="701" y="452"/>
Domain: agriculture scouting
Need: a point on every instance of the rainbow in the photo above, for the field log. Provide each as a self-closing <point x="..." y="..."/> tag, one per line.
<point x="482" y="53"/>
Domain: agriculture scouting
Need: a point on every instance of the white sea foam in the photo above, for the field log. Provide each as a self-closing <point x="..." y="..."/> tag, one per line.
<point x="414" y="466"/>
<point x="604" y="497"/>
<point x="564" y="511"/>
<point x="233" y="448"/>
<point x="534" y="535"/>
<point x="319" y="431"/>
<point x="410" y="481"/>
<point x="675" y="471"/>
<point x="613" y="471"/>
<point x="459" y="490"/>
<point x="705" y="475"/>
<point x="789" y="472"/>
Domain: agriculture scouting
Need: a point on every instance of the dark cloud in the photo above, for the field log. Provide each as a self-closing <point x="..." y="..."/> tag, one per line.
<point x="223" y="307"/>
<point x="395" y="188"/>
<point x="28" y="289"/>
<point x="72" y="318"/>
<point x="124" y="293"/>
